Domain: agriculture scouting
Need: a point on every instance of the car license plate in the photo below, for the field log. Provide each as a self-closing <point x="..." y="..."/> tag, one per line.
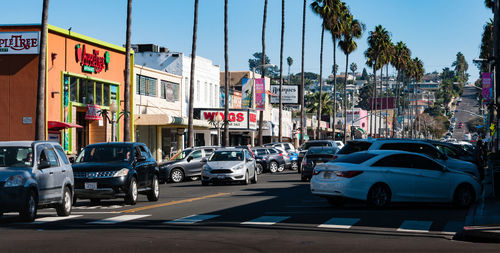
<point x="91" y="186"/>
<point x="327" y="175"/>
<point x="221" y="177"/>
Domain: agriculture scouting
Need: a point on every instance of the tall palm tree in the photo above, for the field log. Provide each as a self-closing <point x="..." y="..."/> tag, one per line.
<point x="42" y="67"/>
<point x="302" y="118"/>
<point x="387" y="56"/>
<point x="261" y="113"/>
<point x="280" y="131"/>
<point x="191" y="81"/>
<point x="289" y="62"/>
<point x="353" y="67"/>
<point x="226" y="79"/>
<point x="126" y="97"/>
<point x="418" y="73"/>
<point x="313" y="102"/>
<point x="399" y="61"/>
<point x="353" y="29"/>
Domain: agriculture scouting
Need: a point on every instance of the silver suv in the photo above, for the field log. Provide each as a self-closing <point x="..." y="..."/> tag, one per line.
<point x="34" y="174"/>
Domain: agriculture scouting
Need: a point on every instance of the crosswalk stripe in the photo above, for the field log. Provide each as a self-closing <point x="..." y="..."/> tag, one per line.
<point x="118" y="219"/>
<point x="192" y="219"/>
<point x="345" y="223"/>
<point x="266" y="220"/>
<point x="453" y="227"/>
<point x="415" y="226"/>
<point x="52" y="219"/>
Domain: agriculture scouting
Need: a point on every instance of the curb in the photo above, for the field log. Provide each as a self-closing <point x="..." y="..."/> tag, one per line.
<point x="490" y="233"/>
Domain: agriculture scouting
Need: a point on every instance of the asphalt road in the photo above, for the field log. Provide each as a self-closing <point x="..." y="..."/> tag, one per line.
<point x="279" y="214"/>
<point x="469" y="103"/>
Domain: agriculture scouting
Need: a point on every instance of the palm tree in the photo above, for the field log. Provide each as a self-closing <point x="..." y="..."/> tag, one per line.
<point x="280" y="132"/>
<point x="126" y="97"/>
<point x="399" y="61"/>
<point x="313" y="102"/>
<point x="289" y="61"/>
<point x="387" y="56"/>
<point x="353" y="29"/>
<point x="261" y="114"/>
<point x="353" y="67"/>
<point x="302" y="118"/>
<point x="418" y="73"/>
<point x="226" y="79"/>
<point x="191" y="81"/>
<point x="42" y="67"/>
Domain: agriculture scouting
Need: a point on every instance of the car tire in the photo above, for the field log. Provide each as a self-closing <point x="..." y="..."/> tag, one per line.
<point x="259" y="168"/>
<point x="336" y="201"/>
<point x="245" y="181"/>
<point x="273" y="167"/>
<point x="464" y="196"/>
<point x="254" y="179"/>
<point x="295" y="165"/>
<point x="281" y="168"/>
<point x="95" y="202"/>
<point x="176" y="175"/>
<point x="131" y="196"/>
<point x="379" y="196"/>
<point x="154" y="193"/>
<point x="205" y="183"/>
<point x="64" y="209"/>
<point x="28" y="212"/>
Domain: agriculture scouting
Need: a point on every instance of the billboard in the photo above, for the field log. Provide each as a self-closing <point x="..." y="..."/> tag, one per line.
<point x="247" y="93"/>
<point x="238" y="119"/>
<point x="383" y="103"/>
<point x="290" y="94"/>
<point x="260" y="94"/>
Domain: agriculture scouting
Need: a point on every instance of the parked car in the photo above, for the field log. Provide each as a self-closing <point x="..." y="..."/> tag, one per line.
<point x="453" y="151"/>
<point x="284" y="145"/>
<point x="186" y="164"/>
<point x="229" y="165"/>
<point x="382" y="176"/>
<point x="313" y="143"/>
<point x="268" y="159"/>
<point x="33" y="175"/>
<point x="313" y="157"/>
<point x="286" y="158"/>
<point x="116" y="170"/>
<point x="409" y="145"/>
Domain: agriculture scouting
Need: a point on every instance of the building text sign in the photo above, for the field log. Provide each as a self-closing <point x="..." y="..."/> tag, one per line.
<point x="237" y="119"/>
<point x="290" y="94"/>
<point x="19" y="42"/>
<point x="91" y="62"/>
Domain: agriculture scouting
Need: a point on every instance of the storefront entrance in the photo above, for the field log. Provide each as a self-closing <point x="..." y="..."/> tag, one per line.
<point x="81" y="133"/>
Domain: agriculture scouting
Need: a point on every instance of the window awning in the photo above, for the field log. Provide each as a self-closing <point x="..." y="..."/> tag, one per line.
<point x="58" y="125"/>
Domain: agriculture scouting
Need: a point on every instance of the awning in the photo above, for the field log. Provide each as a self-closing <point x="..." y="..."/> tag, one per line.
<point x="58" y="125"/>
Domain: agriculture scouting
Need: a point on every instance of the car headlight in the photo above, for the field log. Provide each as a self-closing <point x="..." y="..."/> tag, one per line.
<point x="239" y="167"/>
<point x="14" y="181"/>
<point x="121" y="173"/>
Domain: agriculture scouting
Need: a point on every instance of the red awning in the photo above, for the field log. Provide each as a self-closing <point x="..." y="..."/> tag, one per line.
<point x="57" y="125"/>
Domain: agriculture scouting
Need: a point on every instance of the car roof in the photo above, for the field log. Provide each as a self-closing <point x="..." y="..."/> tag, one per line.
<point x="321" y="147"/>
<point x="230" y="149"/>
<point x="24" y="143"/>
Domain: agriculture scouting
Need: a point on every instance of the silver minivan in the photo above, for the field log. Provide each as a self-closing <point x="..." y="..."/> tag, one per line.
<point x="34" y="174"/>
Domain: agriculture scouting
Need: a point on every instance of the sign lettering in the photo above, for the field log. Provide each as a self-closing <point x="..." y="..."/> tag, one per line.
<point x="19" y="42"/>
<point x="92" y="63"/>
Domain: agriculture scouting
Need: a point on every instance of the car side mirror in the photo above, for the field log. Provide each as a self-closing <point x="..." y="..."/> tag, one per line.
<point x="189" y="158"/>
<point x="71" y="159"/>
<point x="204" y="160"/>
<point x="43" y="165"/>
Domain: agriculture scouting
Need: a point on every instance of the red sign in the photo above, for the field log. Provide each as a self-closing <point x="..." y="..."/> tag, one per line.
<point x="93" y="112"/>
<point x="237" y="119"/>
<point x="91" y="62"/>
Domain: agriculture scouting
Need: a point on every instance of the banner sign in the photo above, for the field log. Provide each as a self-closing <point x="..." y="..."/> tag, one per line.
<point x="247" y="92"/>
<point x="260" y="94"/>
<point x="19" y="42"/>
<point x="93" y="112"/>
<point x="290" y="94"/>
<point x="487" y="82"/>
<point x="238" y="119"/>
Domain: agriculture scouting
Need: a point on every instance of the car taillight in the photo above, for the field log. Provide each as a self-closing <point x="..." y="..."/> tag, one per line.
<point x="348" y="174"/>
<point x="281" y="154"/>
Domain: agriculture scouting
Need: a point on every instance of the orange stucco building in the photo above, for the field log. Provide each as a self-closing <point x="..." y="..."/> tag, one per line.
<point x="83" y="77"/>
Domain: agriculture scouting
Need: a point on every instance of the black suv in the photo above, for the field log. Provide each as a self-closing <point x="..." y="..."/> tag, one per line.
<point x="185" y="164"/>
<point x="114" y="170"/>
<point x="268" y="159"/>
<point x="314" y="143"/>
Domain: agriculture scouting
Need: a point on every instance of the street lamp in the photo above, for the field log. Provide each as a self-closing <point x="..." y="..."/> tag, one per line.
<point x="113" y="109"/>
<point x="218" y="120"/>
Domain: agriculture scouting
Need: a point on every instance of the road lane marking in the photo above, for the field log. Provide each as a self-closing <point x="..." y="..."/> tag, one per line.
<point x="192" y="219"/>
<point x="344" y="223"/>
<point x="266" y="220"/>
<point x="415" y="226"/>
<point x="118" y="219"/>
<point x="51" y="219"/>
<point x="176" y="202"/>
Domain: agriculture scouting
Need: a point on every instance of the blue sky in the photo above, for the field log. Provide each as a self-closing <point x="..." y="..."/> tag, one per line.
<point x="434" y="30"/>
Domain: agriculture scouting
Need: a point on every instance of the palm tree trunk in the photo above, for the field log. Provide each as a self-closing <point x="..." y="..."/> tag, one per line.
<point x="226" y="79"/>
<point x="261" y="113"/>
<point x="320" y="105"/>
<point x="345" y="97"/>
<point x="334" y="84"/>
<point x="126" y="97"/>
<point x="280" y="131"/>
<point x="191" y="81"/>
<point x="396" y="110"/>
<point x="381" y="94"/>
<point x="42" y="67"/>
<point x="373" y="120"/>
<point x="302" y="118"/>
<point x="387" y="102"/>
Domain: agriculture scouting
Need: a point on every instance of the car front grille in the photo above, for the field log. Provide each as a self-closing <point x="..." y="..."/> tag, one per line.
<point x="98" y="174"/>
<point x="221" y="171"/>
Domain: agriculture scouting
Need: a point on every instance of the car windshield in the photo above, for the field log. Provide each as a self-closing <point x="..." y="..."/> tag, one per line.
<point x="354" y="146"/>
<point x="21" y="157"/>
<point x="227" y="156"/>
<point x="182" y="155"/>
<point x="321" y="151"/>
<point x="105" y="153"/>
<point x="308" y="145"/>
<point x="356" y="158"/>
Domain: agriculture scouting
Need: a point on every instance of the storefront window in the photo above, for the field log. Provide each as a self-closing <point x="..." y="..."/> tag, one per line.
<point x="73" y="89"/>
<point x="98" y="93"/>
<point x="105" y="97"/>
<point x="146" y="86"/>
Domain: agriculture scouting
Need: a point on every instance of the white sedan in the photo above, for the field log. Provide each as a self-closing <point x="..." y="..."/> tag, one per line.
<point x="383" y="176"/>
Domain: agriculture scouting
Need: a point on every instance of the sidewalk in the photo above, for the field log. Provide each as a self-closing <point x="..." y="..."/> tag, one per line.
<point x="483" y="220"/>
